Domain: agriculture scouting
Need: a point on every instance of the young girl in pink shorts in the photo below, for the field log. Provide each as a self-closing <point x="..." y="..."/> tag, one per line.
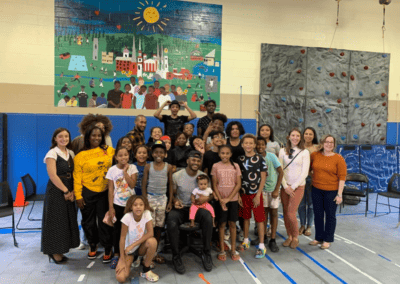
<point x="204" y="190"/>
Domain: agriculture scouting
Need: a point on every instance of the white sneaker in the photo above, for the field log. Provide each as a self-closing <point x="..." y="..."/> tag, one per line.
<point x="227" y="235"/>
<point x="81" y="246"/>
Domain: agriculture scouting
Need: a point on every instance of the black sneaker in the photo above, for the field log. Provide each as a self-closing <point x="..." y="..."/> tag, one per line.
<point x="178" y="264"/>
<point x="272" y="246"/>
<point x="207" y="261"/>
<point x="108" y="255"/>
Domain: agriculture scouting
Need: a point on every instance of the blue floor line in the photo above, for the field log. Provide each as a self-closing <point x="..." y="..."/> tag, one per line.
<point x="248" y="268"/>
<point x="384" y="257"/>
<point x="9" y="231"/>
<point x="280" y="269"/>
<point x="316" y="262"/>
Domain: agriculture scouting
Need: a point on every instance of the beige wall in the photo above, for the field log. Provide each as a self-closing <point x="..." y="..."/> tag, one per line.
<point x="27" y="47"/>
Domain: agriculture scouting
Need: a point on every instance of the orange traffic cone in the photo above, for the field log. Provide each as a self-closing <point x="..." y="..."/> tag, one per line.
<point x="20" y="198"/>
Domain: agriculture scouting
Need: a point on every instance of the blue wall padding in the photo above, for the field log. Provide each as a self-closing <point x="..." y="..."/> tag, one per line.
<point x="351" y="154"/>
<point x="378" y="163"/>
<point x="391" y="133"/>
<point x="1" y="146"/>
<point x="29" y="139"/>
<point x="22" y="148"/>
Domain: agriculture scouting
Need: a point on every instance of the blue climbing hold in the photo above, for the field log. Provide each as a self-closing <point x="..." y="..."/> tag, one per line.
<point x="291" y="61"/>
<point x="319" y="68"/>
<point x="356" y="105"/>
<point x="355" y="136"/>
<point x="384" y="55"/>
<point x="328" y="110"/>
<point x="283" y="99"/>
<point x="327" y="93"/>
<point x="361" y="93"/>
<point x="377" y="82"/>
<point x="301" y="120"/>
<point x="320" y="124"/>
<point x="343" y="138"/>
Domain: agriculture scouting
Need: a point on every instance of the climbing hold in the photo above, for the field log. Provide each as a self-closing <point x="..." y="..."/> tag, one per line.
<point x="352" y="77"/>
<point x="356" y="106"/>
<point x="382" y="138"/>
<point x="328" y="110"/>
<point x="301" y="88"/>
<point x="331" y="74"/>
<point x="366" y="67"/>
<point x="299" y="71"/>
<point x="313" y="110"/>
<point x="339" y="101"/>
<point x="355" y="136"/>
<point x="342" y="54"/>
<point x="320" y="124"/>
<point x="379" y="125"/>
<point x="343" y="137"/>
<point x="319" y="68"/>
<point x="384" y="104"/>
<point x="361" y="93"/>
<point x="278" y="116"/>
<point x="303" y="51"/>
<point x="283" y="99"/>
<point x="97" y="12"/>
<point x="269" y="85"/>
<point x="344" y="74"/>
<point x="383" y="95"/>
<point x="291" y="61"/>
<point x="384" y="55"/>
<point x="327" y="93"/>
<point x="301" y="120"/>
<point x="362" y="124"/>
<point x="377" y="82"/>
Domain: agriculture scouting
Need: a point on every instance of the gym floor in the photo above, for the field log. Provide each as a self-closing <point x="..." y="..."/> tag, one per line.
<point x="365" y="251"/>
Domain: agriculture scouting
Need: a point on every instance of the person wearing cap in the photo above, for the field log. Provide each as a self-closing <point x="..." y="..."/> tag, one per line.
<point x="82" y="97"/>
<point x="184" y="182"/>
<point x="174" y="123"/>
<point x="157" y="179"/>
<point x="168" y="158"/>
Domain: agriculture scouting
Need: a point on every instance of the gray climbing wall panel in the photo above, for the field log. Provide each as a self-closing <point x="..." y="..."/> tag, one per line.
<point x="340" y="92"/>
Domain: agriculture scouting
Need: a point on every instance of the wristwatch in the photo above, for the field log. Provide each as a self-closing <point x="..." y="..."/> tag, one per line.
<point x="65" y="193"/>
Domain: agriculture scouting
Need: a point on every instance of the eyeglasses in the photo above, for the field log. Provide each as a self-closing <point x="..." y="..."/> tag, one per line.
<point x="329" y="142"/>
<point x="291" y="151"/>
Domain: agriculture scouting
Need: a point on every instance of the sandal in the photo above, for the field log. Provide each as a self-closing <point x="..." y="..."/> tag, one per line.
<point x="294" y="244"/>
<point x="150" y="276"/>
<point x="287" y="242"/>
<point x="325" y="245"/>
<point x="301" y="230"/>
<point x="314" y="243"/>
<point x="307" y="232"/>
<point x="235" y="255"/>
<point x="159" y="259"/>
<point x="114" y="262"/>
<point x="226" y="248"/>
<point x="221" y="256"/>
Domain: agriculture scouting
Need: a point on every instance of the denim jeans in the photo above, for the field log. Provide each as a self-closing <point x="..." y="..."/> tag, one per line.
<point x="306" y="212"/>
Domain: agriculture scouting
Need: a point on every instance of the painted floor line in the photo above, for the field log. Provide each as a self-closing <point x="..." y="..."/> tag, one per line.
<point x="280" y="269"/>
<point x="80" y="279"/>
<point x="384" y="257"/>
<point x="90" y="265"/>
<point x="347" y="240"/>
<point x="246" y="267"/>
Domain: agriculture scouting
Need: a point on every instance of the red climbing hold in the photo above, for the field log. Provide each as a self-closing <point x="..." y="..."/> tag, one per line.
<point x="277" y="116"/>
<point x="119" y="27"/>
<point x="384" y="104"/>
<point x="383" y="95"/>
<point x="301" y="88"/>
<point x="269" y="85"/>
<point x="382" y="138"/>
<point x="344" y="74"/>
<point x="342" y="54"/>
<point x="362" y="124"/>
<point x="313" y="110"/>
<point x="352" y="77"/>
<point x="339" y="101"/>
<point x="378" y="125"/>
<point x="97" y="12"/>
<point x="299" y="71"/>
<point x="303" y="51"/>
<point x="331" y="74"/>
<point x="366" y="67"/>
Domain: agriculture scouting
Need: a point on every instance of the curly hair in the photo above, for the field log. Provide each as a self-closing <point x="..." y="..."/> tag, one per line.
<point x="219" y="116"/>
<point x="92" y="119"/>
<point x="238" y="124"/>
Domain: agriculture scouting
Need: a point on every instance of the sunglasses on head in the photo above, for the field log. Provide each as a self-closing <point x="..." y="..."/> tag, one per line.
<point x="291" y="151"/>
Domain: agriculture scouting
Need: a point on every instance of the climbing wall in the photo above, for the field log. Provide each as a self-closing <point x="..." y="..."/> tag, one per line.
<point x="340" y="92"/>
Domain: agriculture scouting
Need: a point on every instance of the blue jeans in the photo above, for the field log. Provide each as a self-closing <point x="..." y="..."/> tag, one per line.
<point x="325" y="214"/>
<point x="305" y="210"/>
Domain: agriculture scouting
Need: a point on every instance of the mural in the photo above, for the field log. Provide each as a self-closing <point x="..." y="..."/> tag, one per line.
<point x="173" y="48"/>
<point x="341" y="92"/>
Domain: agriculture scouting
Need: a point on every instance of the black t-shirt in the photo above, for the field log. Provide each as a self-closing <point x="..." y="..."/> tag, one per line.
<point x="179" y="156"/>
<point x="82" y="98"/>
<point x="173" y="125"/>
<point x="114" y="96"/>
<point x="251" y="168"/>
<point x="210" y="158"/>
<point x="203" y="123"/>
<point x="236" y="150"/>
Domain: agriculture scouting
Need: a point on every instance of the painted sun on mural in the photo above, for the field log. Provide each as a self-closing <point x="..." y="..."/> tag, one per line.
<point x="173" y="48"/>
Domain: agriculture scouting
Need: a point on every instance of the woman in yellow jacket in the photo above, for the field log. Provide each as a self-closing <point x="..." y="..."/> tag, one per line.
<point x="90" y="188"/>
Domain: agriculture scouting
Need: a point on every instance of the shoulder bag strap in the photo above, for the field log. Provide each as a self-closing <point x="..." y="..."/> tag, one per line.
<point x="292" y="160"/>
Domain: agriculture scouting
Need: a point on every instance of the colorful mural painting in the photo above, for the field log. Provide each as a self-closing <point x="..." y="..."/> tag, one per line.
<point x="173" y="48"/>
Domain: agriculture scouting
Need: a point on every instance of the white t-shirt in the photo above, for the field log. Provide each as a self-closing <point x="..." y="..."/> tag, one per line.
<point x="122" y="191"/>
<point x="62" y="103"/>
<point x="53" y="154"/>
<point x="136" y="230"/>
<point x="196" y="192"/>
<point x="162" y="99"/>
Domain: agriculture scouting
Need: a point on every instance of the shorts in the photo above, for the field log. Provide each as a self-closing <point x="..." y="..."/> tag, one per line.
<point x="270" y="202"/>
<point x="231" y="215"/>
<point x="159" y="204"/>
<point x="245" y="211"/>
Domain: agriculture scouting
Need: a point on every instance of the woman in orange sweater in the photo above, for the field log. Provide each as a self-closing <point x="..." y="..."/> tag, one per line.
<point x="329" y="175"/>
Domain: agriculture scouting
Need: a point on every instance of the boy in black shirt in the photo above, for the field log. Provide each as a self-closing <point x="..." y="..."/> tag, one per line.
<point x="114" y="96"/>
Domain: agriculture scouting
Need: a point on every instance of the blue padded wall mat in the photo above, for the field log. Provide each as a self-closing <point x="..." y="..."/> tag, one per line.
<point x="351" y="154"/>
<point x="378" y="163"/>
<point x="1" y="146"/>
<point x="22" y="148"/>
<point x="120" y="128"/>
<point x="391" y="133"/>
<point x="73" y="121"/>
<point x="46" y="125"/>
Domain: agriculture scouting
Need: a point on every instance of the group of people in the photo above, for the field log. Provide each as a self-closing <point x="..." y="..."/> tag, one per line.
<point x="130" y="96"/>
<point x="129" y="196"/>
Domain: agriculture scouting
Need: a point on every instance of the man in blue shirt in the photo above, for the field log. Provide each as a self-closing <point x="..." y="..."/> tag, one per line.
<point x="101" y="100"/>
